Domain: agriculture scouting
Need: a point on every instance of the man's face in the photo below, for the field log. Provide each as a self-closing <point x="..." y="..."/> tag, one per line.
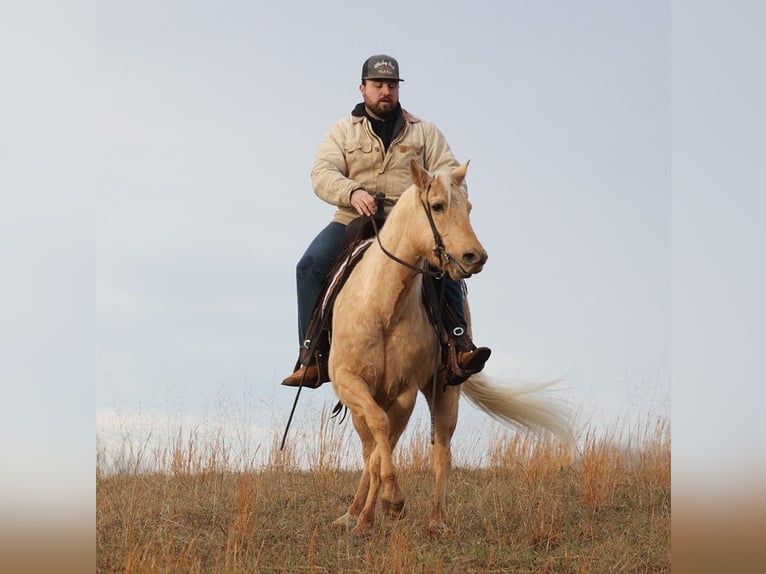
<point x="380" y="97"/>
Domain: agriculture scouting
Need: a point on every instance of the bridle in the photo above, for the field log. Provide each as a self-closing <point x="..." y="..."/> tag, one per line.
<point x="444" y="257"/>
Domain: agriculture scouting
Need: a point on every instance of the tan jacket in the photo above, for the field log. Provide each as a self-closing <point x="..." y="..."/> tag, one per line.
<point x="351" y="156"/>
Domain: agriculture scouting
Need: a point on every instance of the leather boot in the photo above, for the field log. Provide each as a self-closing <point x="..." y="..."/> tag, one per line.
<point x="463" y="364"/>
<point x="473" y="361"/>
<point x="307" y="376"/>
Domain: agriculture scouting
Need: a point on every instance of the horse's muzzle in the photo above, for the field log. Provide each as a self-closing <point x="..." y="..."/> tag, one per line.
<point x="470" y="263"/>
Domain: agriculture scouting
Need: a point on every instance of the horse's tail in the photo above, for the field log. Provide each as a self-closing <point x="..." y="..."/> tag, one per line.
<point x="530" y="407"/>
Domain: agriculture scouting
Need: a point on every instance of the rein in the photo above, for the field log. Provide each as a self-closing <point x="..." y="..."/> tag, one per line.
<point x="310" y="345"/>
<point x="438" y="249"/>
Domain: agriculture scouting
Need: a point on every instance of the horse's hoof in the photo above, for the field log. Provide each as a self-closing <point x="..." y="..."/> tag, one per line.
<point x="346" y="521"/>
<point x="436" y="528"/>
<point x="395" y="510"/>
<point x="362" y="529"/>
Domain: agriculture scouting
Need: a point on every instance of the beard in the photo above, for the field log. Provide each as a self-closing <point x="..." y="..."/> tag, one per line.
<point x="384" y="108"/>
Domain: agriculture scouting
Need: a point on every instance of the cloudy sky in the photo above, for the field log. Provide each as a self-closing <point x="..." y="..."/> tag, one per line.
<point x="178" y="137"/>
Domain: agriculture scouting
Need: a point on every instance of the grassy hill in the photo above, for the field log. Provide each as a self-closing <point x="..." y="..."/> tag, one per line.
<point x="532" y="508"/>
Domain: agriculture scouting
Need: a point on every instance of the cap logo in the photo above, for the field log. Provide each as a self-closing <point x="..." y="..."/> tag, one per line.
<point x="384" y="67"/>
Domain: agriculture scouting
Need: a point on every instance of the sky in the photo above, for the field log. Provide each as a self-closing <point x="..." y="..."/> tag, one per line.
<point x="174" y="199"/>
<point x="209" y="119"/>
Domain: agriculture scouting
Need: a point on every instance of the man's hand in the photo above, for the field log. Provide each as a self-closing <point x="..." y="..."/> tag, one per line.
<point x="363" y="202"/>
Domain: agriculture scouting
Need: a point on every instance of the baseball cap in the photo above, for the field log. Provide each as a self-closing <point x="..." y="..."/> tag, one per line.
<point x="381" y="67"/>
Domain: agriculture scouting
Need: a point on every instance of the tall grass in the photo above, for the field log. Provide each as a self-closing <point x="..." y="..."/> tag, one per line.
<point x="191" y="505"/>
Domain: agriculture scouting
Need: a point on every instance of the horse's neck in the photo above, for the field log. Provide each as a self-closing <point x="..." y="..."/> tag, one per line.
<point x="391" y="280"/>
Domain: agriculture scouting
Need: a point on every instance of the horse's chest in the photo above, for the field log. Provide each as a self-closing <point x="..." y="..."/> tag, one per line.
<point x="410" y="345"/>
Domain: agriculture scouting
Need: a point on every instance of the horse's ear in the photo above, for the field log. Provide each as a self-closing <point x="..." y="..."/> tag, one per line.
<point x="458" y="174"/>
<point x="419" y="175"/>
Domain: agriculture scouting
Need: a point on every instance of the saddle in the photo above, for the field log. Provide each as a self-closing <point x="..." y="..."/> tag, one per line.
<point x="316" y="347"/>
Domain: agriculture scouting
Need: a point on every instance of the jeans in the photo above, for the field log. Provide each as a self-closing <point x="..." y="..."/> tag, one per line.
<point x="316" y="264"/>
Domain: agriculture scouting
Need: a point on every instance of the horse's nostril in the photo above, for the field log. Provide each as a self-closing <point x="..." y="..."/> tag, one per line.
<point x="474" y="257"/>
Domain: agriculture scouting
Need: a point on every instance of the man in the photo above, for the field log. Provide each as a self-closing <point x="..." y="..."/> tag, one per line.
<point x="366" y="152"/>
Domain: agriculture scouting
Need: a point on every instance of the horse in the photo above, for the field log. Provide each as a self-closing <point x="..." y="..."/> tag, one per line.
<point x="385" y="350"/>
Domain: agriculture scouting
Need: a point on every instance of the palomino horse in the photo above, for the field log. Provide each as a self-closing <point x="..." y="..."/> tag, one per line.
<point x="384" y="349"/>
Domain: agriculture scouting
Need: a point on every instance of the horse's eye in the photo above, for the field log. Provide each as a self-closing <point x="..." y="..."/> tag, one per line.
<point x="437" y="207"/>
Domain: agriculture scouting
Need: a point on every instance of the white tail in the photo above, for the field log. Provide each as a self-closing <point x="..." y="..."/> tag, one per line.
<point x="529" y="407"/>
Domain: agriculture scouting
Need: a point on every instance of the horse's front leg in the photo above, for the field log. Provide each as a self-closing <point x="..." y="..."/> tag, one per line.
<point x="444" y="409"/>
<point x="350" y="518"/>
<point x="399" y="413"/>
<point x="353" y="392"/>
<point x="366" y="519"/>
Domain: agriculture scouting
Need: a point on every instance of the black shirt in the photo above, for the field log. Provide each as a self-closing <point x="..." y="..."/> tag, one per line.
<point x="386" y="130"/>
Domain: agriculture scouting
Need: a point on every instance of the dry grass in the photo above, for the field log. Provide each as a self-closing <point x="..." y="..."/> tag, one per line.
<point x="532" y="508"/>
